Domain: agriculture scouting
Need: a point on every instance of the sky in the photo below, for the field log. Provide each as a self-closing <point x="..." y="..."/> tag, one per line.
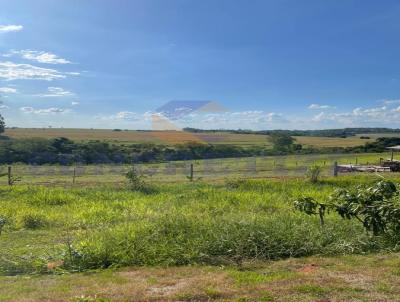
<point x="270" y="64"/>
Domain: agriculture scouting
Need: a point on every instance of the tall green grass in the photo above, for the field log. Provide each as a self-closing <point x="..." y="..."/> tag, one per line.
<point x="177" y="224"/>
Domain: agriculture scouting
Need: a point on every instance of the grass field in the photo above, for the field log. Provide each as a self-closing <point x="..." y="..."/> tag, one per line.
<point x="189" y="242"/>
<point x="370" y="278"/>
<point x="176" y="137"/>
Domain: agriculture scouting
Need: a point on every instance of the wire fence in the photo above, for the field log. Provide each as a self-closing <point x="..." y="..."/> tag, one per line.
<point x="270" y="166"/>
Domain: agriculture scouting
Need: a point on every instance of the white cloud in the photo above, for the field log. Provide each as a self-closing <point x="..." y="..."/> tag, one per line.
<point x="10" y="28"/>
<point x="390" y="102"/>
<point x="75" y="103"/>
<point x="319" y="107"/>
<point x="252" y="119"/>
<point x="376" y="116"/>
<point x="51" y="110"/>
<point x="56" y="92"/>
<point x="8" y="90"/>
<point x="39" y="56"/>
<point x="11" y="71"/>
<point x="27" y="109"/>
<point x="126" y="116"/>
<point x="122" y="116"/>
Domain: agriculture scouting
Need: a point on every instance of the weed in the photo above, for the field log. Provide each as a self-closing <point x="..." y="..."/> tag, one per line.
<point x="89" y="299"/>
<point x="3" y="222"/>
<point x="212" y="293"/>
<point x="311" y="289"/>
<point x="136" y="182"/>
<point x="250" y="277"/>
<point x="313" y="173"/>
<point x="32" y="221"/>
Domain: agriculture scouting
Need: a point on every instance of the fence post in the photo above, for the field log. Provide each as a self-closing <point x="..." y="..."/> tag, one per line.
<point x="9" y="176"/>
<point x="356" y="160"/>
<point x="73" y="177"/>
<point x="191" y="172"/>
<point x="335" y="168"/>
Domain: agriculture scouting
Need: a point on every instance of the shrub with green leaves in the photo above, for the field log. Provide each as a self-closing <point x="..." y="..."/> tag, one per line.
<point x="3" y="222"/>
<point x="136" y="181"/>
<point x="32" y="221"/>
<point x="377" y="207"/>
<point x="313" y="173"/>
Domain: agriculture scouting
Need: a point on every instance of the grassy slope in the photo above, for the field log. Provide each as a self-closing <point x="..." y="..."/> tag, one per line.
<point x="174" y="137"/>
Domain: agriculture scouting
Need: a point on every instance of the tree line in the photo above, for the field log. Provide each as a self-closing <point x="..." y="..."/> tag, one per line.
<point x="345" y="132"/>
<point x="64" y="151"/>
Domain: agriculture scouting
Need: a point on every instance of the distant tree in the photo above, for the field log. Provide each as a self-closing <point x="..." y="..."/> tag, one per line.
<point x="2" y="124"/>
<point x="281" y="141"/>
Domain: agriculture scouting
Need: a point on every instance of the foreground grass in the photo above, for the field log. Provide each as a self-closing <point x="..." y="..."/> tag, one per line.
<point x="344" y="278"/>
<point x="75" y="229"/>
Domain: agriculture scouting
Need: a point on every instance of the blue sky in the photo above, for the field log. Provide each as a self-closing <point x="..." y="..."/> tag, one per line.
<point x="271" y="64"/>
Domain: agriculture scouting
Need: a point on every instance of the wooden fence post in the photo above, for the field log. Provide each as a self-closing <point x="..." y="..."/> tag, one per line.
<point x="9" y="176"/>
<point x="335" y="168"/>
<point x="191" y="172"/>
<point x="74" y="176"/>
<point x="356" y="160"/>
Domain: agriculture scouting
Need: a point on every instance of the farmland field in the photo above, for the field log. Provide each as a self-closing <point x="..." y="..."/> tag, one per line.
<point x="176" y="137"/>
<point x="195" y="241"/>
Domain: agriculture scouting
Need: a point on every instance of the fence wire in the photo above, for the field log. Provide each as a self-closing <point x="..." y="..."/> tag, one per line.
<point x="272" y="166"/>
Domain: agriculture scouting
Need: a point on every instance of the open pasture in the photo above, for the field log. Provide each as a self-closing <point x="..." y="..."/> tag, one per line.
<point x="178" y="137"/>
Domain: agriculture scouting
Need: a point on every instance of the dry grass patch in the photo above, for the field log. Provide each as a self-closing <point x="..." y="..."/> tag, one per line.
<point x="346" y="278"/>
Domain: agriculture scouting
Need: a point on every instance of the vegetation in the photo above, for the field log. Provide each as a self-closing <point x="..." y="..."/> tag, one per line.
<point x="346" y="132"/>
<point x="177" y="224"/>
<point x="313" y="173"/>
<point x="377" y="207"/>
<point x="283" y="142"/>
<point x="344" y="278"/>
<point x="219" y="235"/>
<point x="136" y="182"/>
<point x="63" y="151"/>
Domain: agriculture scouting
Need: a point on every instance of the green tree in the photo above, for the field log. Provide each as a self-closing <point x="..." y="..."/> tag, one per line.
<point x="281" y="141"/>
